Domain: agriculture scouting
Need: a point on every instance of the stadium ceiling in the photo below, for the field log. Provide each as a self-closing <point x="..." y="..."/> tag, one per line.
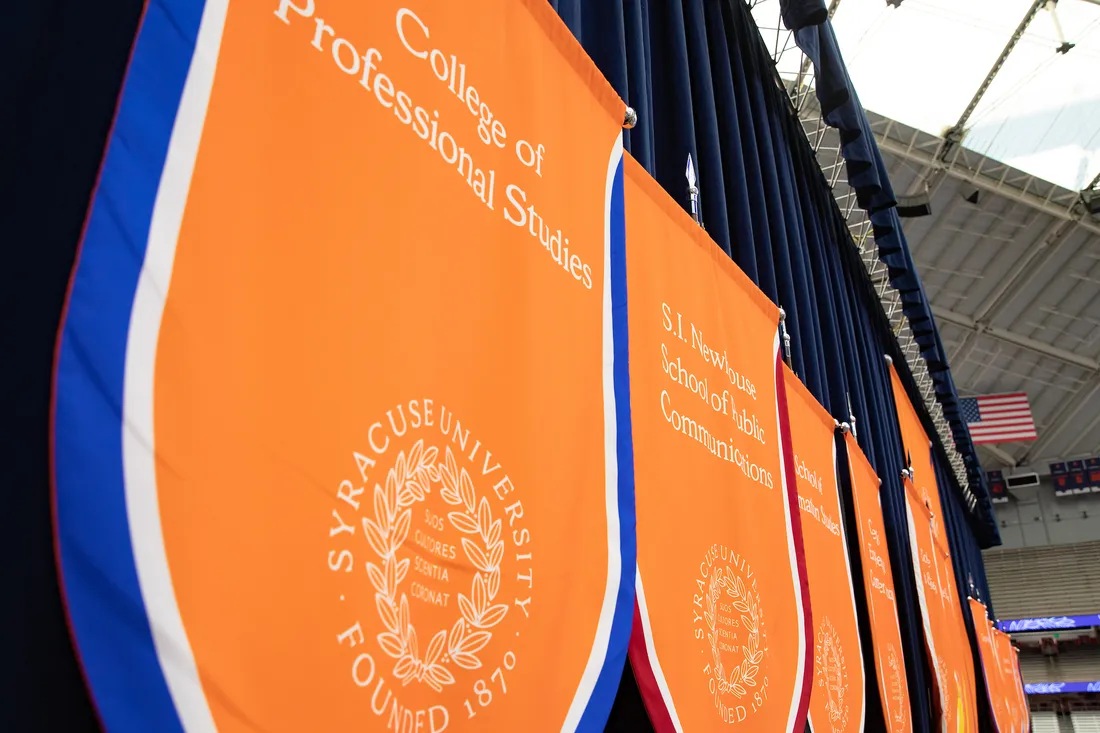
<point x="987" y="114"/>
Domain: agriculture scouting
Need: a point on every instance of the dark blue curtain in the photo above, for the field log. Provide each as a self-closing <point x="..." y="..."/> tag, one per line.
<point x="61" y="67"/>
<point x="866" y="173"/>
<point x="703" y="84"/>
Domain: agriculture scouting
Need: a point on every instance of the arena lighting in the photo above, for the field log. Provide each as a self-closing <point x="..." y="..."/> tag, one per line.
<point x="1022" y="480"/>
<point x="1064" y="46"/>
<point x="970" y="194"/>
<point x="914" y="206"/>
<point x="1090" y="197"/>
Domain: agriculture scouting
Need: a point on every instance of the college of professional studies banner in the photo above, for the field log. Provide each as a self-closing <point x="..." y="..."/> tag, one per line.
<point x="722" y="624"/>
<point x="338" y="439"/>
<point x="838" y="700"/>
<point x="945" y="636"/>
<point x="878" y="585"/>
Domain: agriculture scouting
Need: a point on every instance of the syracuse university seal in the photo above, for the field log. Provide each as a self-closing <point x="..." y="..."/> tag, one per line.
<point x="832" y="674"/>
<point x="429" y="538"/>
<point x="729" y="622"/>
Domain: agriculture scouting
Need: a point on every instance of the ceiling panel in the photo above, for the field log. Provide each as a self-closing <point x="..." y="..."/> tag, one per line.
<point x="1013" y="262"/>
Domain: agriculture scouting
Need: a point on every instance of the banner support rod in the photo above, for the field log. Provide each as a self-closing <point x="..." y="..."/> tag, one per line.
<point x="785" y="336"/>
<point x="693" y="192"/>
<point x="630" y="118"/>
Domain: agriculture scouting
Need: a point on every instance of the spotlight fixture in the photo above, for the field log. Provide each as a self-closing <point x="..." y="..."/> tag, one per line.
<point x="971" y="194"/>
<point x="913" y="206"/>
<point x="1090" y="197"/>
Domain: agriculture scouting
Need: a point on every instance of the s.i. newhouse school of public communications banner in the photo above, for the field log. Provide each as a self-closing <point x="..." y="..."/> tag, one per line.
<point x="391" y="395"/>
<point x="722" y="625"/>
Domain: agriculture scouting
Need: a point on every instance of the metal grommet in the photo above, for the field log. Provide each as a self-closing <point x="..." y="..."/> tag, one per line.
<point x="630" y="119"/>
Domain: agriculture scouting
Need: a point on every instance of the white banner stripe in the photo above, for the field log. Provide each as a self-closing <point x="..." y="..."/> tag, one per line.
<point x="1005" y="438"/>
<point x="1013" y="401"/>
<point x="1002" y="423"/>
<point x="597" y="657"/>
<point x="1002" y="403"/>
<point x="1008" y="412"/>
<point x="1010" y="427"/>
<point x="1000" y="399"/>
<point x="139" y="456"/>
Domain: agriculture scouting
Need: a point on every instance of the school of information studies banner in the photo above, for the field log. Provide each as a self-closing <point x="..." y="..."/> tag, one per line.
<point x="878" y="585"/>
<point x="838" y="701"/>
<point x="945" y="635"/>
<point x="721" y="626"/>
<point x="337" y="423"/>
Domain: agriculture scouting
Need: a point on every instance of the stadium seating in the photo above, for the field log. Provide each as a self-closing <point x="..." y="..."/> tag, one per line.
<point x="1044" y="723"/>
<point x="1044" y="581"/>
<point x="1070" y="665"/>
<point x="1085" y="722"/>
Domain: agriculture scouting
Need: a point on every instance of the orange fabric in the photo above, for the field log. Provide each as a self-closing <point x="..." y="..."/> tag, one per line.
<point x="919" y="451"/>
<point x="878" y="584"/>
<point x="838" y="700"/>
<point x="997" y="685"/>
<point x="946" y="638"/>
<point x="718" y="575"/>
<point x="379" y="398"/>
<point x="1014" y="699"/>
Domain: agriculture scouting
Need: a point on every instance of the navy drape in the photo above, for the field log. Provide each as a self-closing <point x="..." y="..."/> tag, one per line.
<point x="61" y="67"/>
<point x="840" y="108"/>
<point x="704" y="84"/>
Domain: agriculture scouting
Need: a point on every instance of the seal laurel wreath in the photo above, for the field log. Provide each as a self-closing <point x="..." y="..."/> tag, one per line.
<point x="831" y="663"/>
<point x="408" y="483"/>
<point x="743" y="675"/>
<point x="895" y="685"/>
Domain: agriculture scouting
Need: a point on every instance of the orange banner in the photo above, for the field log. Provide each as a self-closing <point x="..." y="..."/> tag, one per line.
<point x="721" y="624"/>
<point x="1023" y="707"/>
<point x="993" y="673"/>
<point x="945" y="638"/>
<point x="945" y="635"/>
<point x="837" y="703"/>
<point x="878" y="585"/>
<point x="918" y="452"/>
<point x="384" y="491"/>
<point x="1011" y="686"/>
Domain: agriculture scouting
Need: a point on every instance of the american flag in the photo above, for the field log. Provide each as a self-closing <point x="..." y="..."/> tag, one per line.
<point x="998" y="418"/>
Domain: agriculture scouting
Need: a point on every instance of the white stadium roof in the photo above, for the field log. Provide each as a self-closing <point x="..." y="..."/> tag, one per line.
<point x="923" y="62"/>
<point x="991" y="110"/>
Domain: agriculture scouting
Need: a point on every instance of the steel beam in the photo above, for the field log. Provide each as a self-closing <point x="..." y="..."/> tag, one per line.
<point x="1026" y="268"/>
<point x="999" y="453"/>
<point x="955" y="134"/>
<point x="1069" y="449"/>
<point x="933" y="172"/>
<point x="962" y="173"/>
<point x="1010" y="337"/>
<point x="1070" y="407"/>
